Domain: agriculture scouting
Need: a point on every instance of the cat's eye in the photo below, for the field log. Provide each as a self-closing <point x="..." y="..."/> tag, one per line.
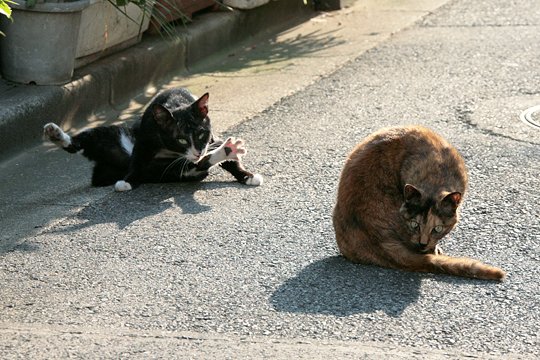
<point x="183" y="141"/>
<point x="414" y="225"/>
<point x="202" y="136"/>
<point x="438" y="229"/>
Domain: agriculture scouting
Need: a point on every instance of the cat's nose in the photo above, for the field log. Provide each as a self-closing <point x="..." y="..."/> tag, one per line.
<point x="196" y="156"/>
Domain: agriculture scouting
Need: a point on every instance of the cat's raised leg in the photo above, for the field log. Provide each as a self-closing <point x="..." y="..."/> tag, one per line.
<point x="241" y="174"/>
<point x="57" y="136"/>
<point x="220" y="151"/>
<point x="229" y="155"/>
<point x="230" y="150"/>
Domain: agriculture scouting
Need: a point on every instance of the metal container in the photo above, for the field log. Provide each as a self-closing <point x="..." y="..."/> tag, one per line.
<point x="40" y="43"/>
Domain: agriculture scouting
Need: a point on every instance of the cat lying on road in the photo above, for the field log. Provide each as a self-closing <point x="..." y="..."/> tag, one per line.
<point x="172" y="142"/>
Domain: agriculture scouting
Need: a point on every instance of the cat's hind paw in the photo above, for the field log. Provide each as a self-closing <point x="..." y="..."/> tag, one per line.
<point x="255" y="180"/>
<point x="122" y="185"/>
<point x="52" y="132"/>
<point x="234" y="148"/>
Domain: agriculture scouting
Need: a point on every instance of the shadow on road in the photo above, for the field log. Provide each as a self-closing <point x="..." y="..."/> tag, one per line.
<point x="273" y="51"/>
<point x="31" y="200"/>
<point x="338" y="287"/>
<point x="124" y="209"/>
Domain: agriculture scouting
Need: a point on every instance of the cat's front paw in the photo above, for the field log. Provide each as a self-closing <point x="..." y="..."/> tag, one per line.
<point x="52" y="132"/>
<point x="254" y="180"/>
<point x="234" y="149"/>
<point x="122" y="185"/>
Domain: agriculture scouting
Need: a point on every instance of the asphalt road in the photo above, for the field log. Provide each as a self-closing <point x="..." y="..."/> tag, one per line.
<point x="222" y="258"/>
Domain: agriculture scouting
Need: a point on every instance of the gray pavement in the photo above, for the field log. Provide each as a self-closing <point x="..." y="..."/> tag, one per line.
<point x="218" y="270"/>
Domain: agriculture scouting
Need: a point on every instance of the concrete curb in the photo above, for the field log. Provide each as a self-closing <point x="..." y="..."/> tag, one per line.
<point x="121" y="76"/>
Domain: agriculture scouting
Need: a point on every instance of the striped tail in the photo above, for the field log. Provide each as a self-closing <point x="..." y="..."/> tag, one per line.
<point x="459" y="267"/>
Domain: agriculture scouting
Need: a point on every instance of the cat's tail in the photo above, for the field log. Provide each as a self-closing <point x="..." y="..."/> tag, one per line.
<point x="460" y="267"/>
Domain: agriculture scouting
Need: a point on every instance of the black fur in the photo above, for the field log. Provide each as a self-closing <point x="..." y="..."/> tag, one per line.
<point x="172" y="123"/>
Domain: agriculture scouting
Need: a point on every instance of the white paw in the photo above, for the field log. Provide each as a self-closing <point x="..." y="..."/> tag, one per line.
<point x="121" y="185"/>
<point x="234" y="148"/>
<point x="231" y="149"/>
<point x="256" y="180"/>
<point x="53" y="132"/>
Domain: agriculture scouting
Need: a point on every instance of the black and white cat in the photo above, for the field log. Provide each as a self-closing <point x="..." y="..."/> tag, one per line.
<point x="172" y="142"/>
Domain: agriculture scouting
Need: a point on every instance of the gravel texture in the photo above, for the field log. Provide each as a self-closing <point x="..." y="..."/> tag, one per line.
<point x="222" y="258"/>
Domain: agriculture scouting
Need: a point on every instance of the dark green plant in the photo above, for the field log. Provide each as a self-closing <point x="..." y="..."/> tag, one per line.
<point x="160" y="15"/>
<point x="5" y="10"/>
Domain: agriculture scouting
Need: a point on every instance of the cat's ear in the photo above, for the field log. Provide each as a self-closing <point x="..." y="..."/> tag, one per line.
<point x="201" y="106"/>
<point x="162" y="116"/>
<point x="451" y="201"/>
<point x="411" y="194"/>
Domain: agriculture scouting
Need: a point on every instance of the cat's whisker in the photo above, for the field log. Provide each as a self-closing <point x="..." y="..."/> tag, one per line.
<point x="183" y="168"/>
<point x="172" y="164"/>
<point x="184" y="164"/>
<point x="166" y="170"/>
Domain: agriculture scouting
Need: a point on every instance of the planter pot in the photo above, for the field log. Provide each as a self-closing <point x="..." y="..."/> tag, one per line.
<point x="180" y="9"/>
<point x="105" y="30"/>
<point x="328" y="5"/>
<point x="41" y="42"/>
<point x="245" y="4"/>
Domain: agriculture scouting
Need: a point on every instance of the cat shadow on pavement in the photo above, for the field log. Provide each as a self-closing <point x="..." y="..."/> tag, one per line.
<point x="147" y="200"/>
<point x="335" y="286"/>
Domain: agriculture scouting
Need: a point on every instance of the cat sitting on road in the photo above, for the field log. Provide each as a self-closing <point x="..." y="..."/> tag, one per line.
<point x="172" y="142"/>
<point x="398" y="196"/>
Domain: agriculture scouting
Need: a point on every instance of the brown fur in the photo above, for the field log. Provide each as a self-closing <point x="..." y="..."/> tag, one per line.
<point x="399" y="195"/>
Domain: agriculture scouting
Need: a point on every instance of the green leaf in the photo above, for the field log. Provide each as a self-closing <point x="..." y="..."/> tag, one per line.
<point x="5" y="9"/>
<point x="122" y="2"/>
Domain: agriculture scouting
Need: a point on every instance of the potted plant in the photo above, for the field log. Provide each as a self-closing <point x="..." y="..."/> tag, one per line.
<point x="171" y="10"/>
<point x="39" y="45"/>
<point x="111" y="25"/>
<point x="245" y="4"/>
<point x="45" y="38"/>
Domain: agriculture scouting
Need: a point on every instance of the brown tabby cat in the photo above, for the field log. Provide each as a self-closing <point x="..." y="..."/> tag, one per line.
<point x="398" y="196"/>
